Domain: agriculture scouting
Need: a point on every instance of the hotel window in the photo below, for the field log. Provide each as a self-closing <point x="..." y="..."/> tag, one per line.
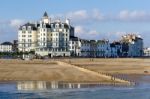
<point x="52" y="25"/>
<point x="29" y="31"/>
<point x="44" y="44"/>
<point x="64" y="30"/>
<point x="23" y="35"/>
<point x="44" y="26"/>
<point x="23" y="40"/>
<point x="62" y="25"/>
<point x="29" y="35"/>
<point x="44" y="39"/>
<point x="29" y="40"/>
<point x="23" y="31"/>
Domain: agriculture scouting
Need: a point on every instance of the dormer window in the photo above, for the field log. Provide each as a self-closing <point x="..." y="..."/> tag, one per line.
<point x="29" y="27"/>
<point x="62" y="25"/>
<point x="24" y="28"/>
<point x="57" y="25"/>
<point x="52" y="25"/>
<point x="44" y="26"/>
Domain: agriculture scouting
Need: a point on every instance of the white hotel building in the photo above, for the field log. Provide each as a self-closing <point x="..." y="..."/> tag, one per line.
<point x="46" y="37"/>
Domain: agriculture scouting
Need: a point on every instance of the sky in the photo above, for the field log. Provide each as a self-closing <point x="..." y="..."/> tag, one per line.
<point x="92" y="19"/>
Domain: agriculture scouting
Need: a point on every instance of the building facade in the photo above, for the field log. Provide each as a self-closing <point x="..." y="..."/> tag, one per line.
<point x="133" y="45"/>
<point x="6" y="47"/>
<point x="95" y="48"/>
<point x="147" y="52"/>
<point x="116" y="49"/>
<point x="27" y="37"/>
<point x="103" y="48"/>
<point x="46" y="37"/>
<point x="130" y="45"/>
<point x="75" y="46"/>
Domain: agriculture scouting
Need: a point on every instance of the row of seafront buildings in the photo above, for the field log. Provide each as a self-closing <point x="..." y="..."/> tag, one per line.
<point x="130" y="45"/>
<point x="56" y="38"/>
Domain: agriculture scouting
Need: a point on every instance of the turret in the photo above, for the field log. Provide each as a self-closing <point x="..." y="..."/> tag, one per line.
<point x="45" y="18"/>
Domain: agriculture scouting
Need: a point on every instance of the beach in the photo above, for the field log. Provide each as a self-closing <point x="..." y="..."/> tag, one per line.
<point x="57" y="70"/>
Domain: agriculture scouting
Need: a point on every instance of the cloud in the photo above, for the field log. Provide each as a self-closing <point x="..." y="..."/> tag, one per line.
<point x="146" y="36"/>
<point x="97" y="15"/>
<point x="8" y="29"/>
<point x="93" y="16"/>
<point x="16" y="22"/>
<point x="78" y="15"/>
<point x="81" y="16"/>
<point x="134" y="16"/>
<point x="85" y="33"/>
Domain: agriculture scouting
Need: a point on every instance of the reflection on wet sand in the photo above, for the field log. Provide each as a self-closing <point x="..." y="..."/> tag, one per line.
<point x="43" y="85"/>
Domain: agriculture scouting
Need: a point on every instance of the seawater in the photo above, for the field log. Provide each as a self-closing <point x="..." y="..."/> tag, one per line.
<point x="56" y="90"/>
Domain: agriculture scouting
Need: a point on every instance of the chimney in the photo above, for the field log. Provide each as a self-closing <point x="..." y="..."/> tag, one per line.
<point x="68" y="21"/>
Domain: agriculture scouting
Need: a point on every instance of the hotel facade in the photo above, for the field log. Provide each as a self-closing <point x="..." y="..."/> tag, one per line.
<point x="46" y="37"/>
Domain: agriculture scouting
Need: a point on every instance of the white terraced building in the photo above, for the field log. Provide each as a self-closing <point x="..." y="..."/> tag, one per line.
<point x="147" y="52"/>
<point x="6" y="47"/>
<point x="75" y="46"/>
<point x="93" y="48"/>
<point x="46" y="37"/>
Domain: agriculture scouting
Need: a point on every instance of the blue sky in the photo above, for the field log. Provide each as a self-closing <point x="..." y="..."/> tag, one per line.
<point x="93" y="19"/>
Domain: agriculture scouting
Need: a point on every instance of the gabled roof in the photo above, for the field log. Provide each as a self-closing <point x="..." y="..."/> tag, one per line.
<point x="73" y="38"/>
<point x="6" y="43"/>
<point x="33" y="27"/>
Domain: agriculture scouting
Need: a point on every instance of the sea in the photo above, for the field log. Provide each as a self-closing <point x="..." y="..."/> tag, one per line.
<point x="68" y="90"/>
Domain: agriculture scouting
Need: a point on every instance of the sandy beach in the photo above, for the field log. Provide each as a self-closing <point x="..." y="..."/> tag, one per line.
<point x="115" y="66"/>
<point x="42" y="70"/>
<point x="50" y="70"/>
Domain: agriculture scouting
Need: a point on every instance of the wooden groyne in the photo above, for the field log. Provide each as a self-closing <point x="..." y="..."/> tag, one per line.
<point x="100" y="74"/>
